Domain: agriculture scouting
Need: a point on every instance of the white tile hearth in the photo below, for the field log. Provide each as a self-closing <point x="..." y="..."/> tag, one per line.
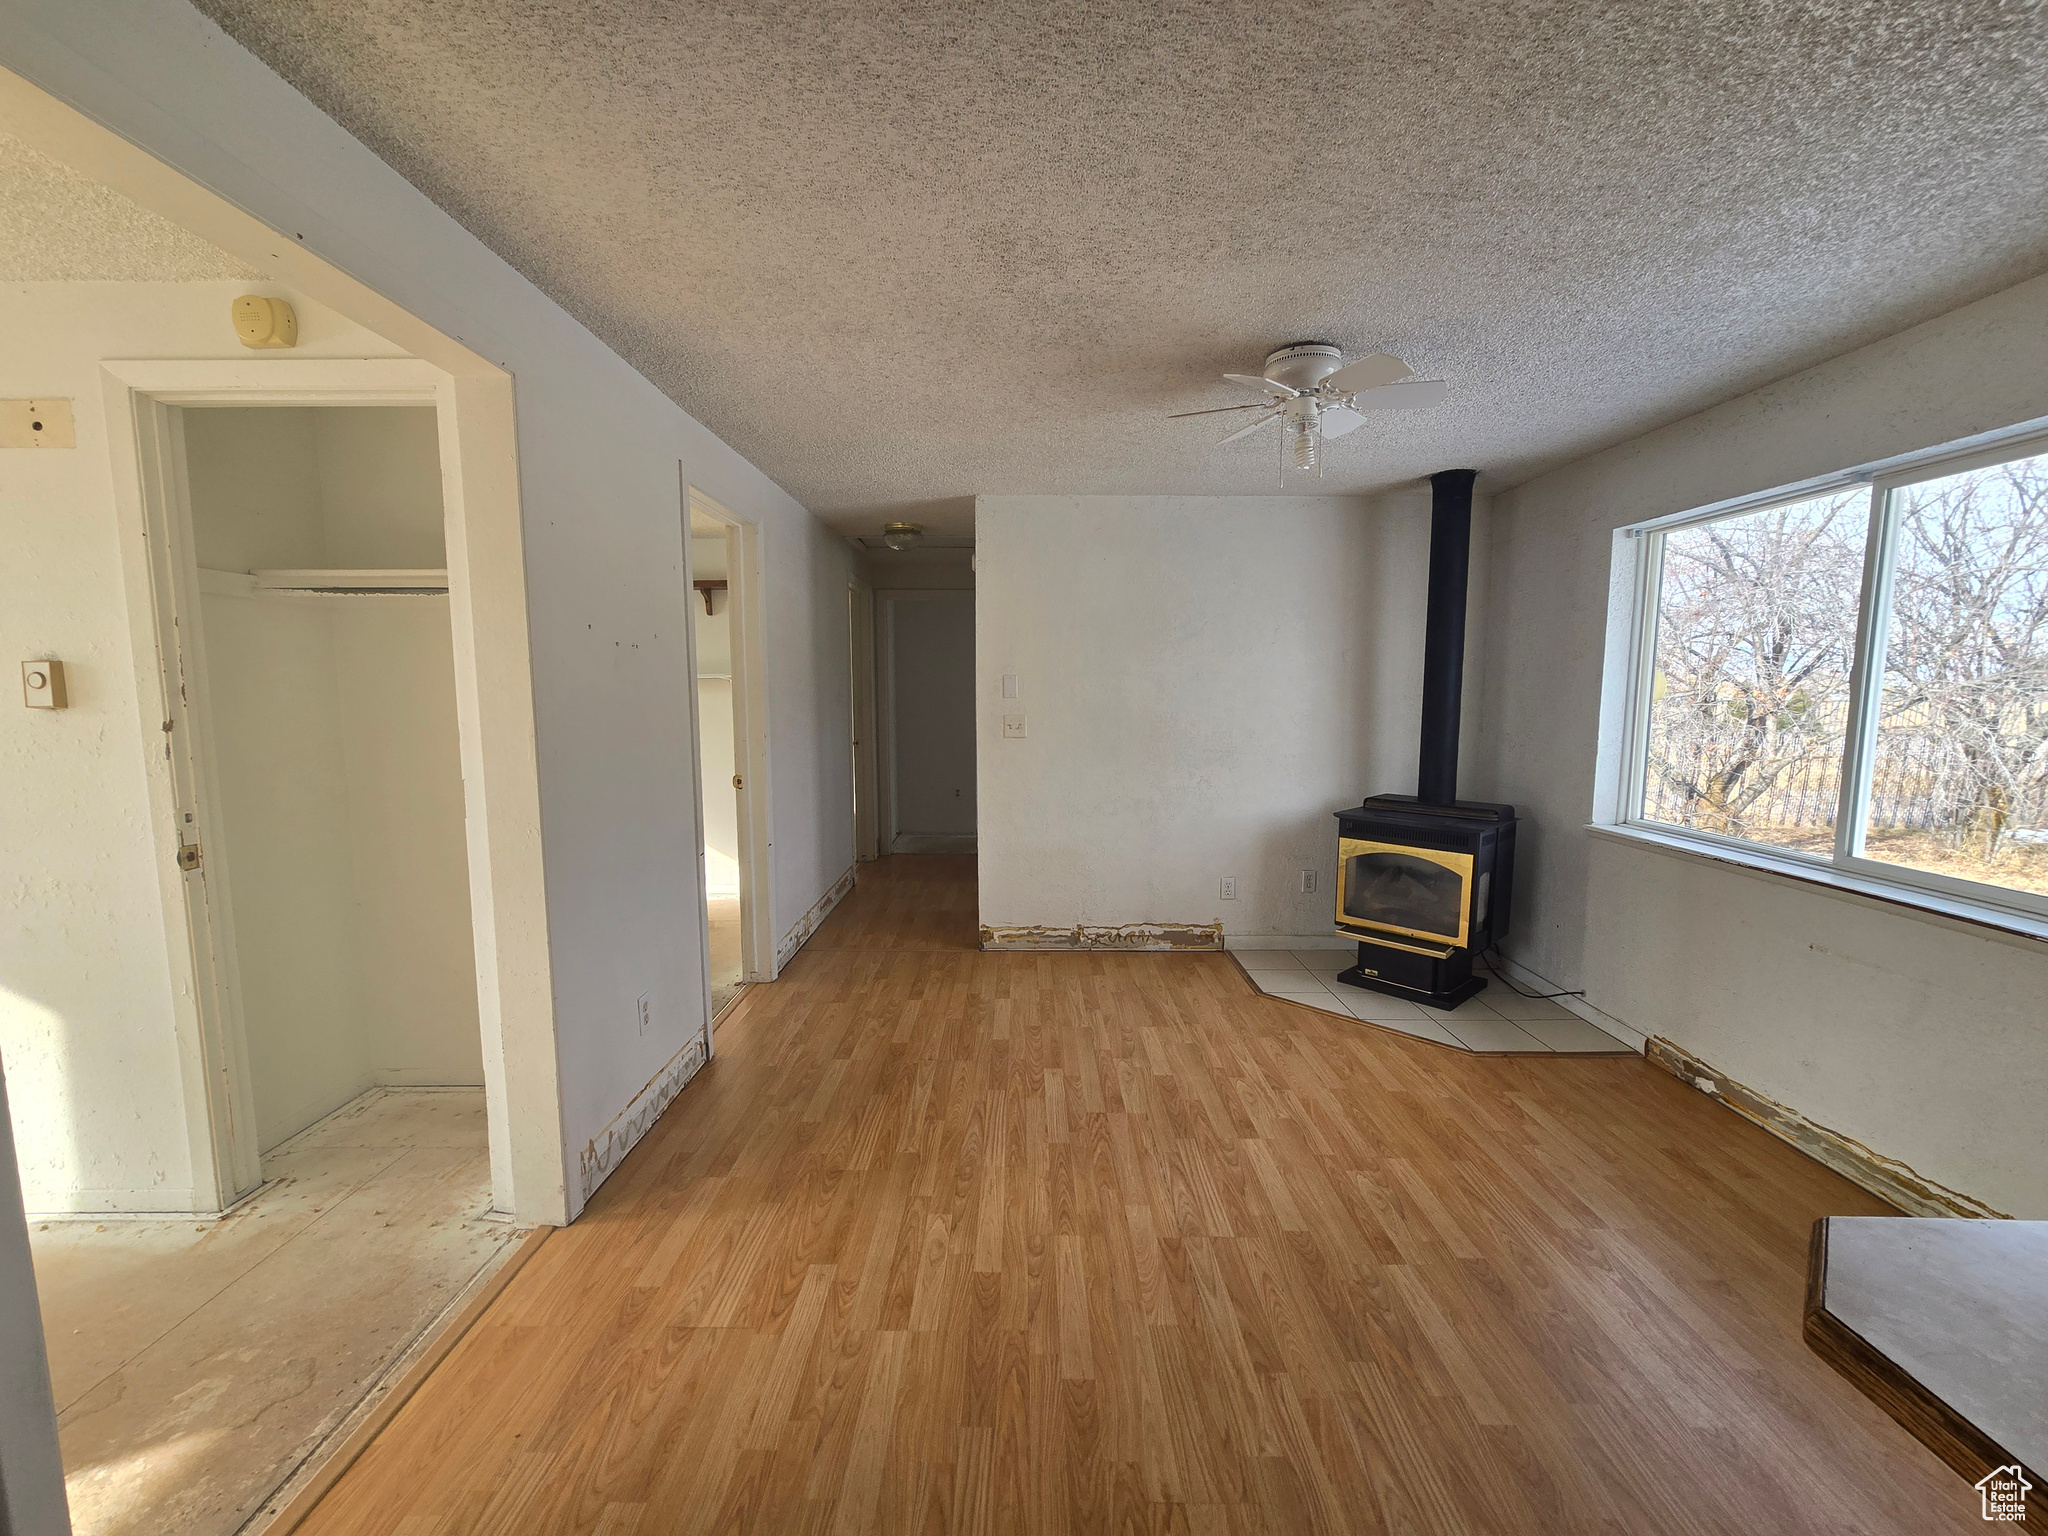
<point x="1497" y="1022"/>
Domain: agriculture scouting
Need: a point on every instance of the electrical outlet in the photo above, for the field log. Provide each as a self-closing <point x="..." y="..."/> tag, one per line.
<point x="1308" y="882"/>
<point x="646" y="1013"/>
<point x="1013" y="726"/>
<point x="1227" y="888"/>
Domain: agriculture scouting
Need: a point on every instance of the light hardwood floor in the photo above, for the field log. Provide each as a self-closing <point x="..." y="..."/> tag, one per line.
<point x="946" y="1241"/>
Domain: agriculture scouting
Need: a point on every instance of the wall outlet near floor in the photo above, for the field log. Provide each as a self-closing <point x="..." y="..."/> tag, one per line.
<point x="646" y="1013"/>
<point x="1308" y="882"/>
<point x="1013" y="726"/>
<point x="1227" y="888"/>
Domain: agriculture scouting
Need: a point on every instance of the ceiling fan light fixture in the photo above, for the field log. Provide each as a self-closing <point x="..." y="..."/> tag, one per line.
<point x="1317" y="397"/>
<point x="900" y="536"/>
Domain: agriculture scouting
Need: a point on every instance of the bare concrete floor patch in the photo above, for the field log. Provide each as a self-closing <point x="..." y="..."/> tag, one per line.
<point x="197" y="1364"/>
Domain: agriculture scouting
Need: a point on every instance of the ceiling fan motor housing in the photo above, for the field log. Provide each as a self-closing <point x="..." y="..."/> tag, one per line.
<point x="1304" y="365"/>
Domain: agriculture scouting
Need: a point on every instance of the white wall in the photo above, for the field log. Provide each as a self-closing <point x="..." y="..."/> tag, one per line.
<point x="1205" y="681"/>
<point x="929" y="697"/>
<point x="284" y="827"/>
<point x="601" y="515"/>
<point x="85" y="1013"/>
<point x="1917" y="1036"/>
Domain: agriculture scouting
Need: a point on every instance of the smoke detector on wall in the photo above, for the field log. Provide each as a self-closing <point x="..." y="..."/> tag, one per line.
<point x="1315" y="395"/>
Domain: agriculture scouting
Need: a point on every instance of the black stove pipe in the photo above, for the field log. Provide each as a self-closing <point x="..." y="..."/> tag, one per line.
<point x="1443" y="633"/>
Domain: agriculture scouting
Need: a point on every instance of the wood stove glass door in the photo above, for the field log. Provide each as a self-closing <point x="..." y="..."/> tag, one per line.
<point x="1420" y="892"/>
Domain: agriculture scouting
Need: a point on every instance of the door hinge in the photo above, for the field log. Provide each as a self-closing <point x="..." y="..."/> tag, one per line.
<point x="188" y="856"/>
<point x="737" y="783"/>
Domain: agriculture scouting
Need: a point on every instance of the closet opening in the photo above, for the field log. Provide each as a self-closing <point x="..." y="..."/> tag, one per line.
<point x="205" y="1366"/>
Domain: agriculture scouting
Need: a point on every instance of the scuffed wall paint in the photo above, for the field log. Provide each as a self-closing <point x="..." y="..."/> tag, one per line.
<point x="1165" y="937"/>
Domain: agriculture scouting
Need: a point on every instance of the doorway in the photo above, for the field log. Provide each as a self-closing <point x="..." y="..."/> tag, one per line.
<point x="291" y="607"/>
<point x="925" y="677"/>
<point x="723" y="564"/>
<point x="860" y="653"/>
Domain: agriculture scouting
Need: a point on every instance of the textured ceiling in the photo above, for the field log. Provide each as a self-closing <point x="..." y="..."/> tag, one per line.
<point x="899" y="255"/>
<point x="59" y="226"/>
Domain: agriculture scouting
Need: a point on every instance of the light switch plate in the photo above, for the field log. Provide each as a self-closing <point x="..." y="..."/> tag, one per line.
<point x="1013" y="726"/>
<point x="1009" y="685"/>
<point x="37" y="424"/>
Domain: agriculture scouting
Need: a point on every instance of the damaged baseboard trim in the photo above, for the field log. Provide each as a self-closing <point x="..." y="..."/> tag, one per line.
<point x="1887" y="1178"/>
<point x="606" y="1150"/>
<point x="800" y="934"/>
<point x="1165" y="938"/>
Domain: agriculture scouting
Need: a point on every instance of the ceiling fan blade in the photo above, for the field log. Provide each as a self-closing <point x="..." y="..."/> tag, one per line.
<point x="1250" y="428"/>
<point x="1415" y="395"/>
<point x="1256" y="405"/>
<point x="1367" y="373"/>
<point x="1278" y="391"/>
<point x="1337" y="421"/>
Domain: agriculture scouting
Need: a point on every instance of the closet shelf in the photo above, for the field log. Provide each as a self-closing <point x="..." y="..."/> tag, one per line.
<point x="408" y="583"/>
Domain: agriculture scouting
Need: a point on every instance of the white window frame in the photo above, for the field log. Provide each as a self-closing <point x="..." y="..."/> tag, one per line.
<point x="1845" y="865"/>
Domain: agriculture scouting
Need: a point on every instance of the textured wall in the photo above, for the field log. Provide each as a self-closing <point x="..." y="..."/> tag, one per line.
<point x="58" y="226"/>
<point x="85" y="1021"/>
<point x="1918" y="1038"/>
<point x="1205" y="681"/>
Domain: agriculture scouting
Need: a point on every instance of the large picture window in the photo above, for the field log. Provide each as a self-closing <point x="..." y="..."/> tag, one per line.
<point x="1857" y="678"/>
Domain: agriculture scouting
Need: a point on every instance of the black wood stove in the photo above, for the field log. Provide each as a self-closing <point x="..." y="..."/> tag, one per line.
<point x="1424" y="880"/>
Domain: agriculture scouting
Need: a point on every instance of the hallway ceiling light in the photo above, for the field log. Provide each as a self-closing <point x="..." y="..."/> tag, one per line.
<point x="1315" y="395"/>
<point x="900" y="536"/>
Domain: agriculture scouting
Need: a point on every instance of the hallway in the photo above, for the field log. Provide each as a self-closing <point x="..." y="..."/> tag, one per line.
<point x="946" y="1240"/>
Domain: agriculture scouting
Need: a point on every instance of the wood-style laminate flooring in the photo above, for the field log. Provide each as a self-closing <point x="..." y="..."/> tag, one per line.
<point x="947" y="1241"/>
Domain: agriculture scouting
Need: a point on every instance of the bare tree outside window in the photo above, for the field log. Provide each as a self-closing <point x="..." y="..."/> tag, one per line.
<point x="1959" y="781"/>
<point x="1749" y="703"/>
<point x="1750" y="689"/>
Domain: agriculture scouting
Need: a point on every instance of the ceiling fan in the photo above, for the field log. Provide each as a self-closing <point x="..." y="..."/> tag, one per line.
<point x="1315" y="395"/>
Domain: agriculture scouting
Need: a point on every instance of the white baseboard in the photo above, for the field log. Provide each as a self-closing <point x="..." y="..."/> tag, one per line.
<point x="805" y="926"/>
<point x="606" y="1150"/>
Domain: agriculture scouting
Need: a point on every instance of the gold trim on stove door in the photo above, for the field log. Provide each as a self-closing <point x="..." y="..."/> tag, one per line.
<point x="1460" y="864"/>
